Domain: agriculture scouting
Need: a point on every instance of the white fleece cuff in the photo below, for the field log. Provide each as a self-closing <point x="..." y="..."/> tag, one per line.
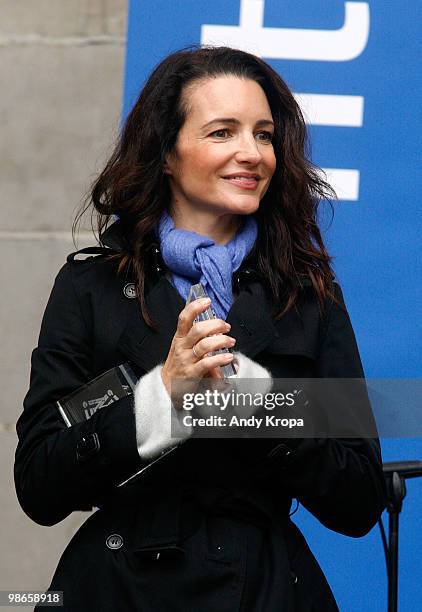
<point x="156" y="418"/>
<point x="248" y="368"/>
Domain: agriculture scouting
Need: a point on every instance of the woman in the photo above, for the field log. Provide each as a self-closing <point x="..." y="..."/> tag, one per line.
<point x="210" y="184"/>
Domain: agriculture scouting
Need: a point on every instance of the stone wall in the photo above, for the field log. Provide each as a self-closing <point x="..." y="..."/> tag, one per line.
<point x="61" y="93"/>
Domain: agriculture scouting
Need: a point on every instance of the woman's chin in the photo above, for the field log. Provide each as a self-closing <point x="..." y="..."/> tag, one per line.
<point x="243" y="206"/>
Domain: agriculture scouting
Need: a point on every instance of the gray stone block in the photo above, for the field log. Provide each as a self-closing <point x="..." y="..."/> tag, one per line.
<point x="58" y="19"/>
<point x="116" y="11"/>
<point x="60" y="110"/>
<point x="30" y="552"/>
<point x="61" y="67"/>
<point x="26" y="283"/>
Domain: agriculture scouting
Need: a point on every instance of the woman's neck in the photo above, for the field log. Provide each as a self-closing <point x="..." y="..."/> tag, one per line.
<point x="221" y="229"/>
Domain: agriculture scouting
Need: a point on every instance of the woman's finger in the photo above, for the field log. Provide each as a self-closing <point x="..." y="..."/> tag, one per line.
<point x="188" y="315"/>
<point x="211" y="344"/>
<point x="204" y="365"/>
<point x="205" y="329"/>
<point x="214" y="373"/>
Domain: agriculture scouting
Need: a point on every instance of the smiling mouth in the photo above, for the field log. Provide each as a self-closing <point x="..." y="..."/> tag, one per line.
<point x="243" y="181"/>
<point x="241" y="178"/>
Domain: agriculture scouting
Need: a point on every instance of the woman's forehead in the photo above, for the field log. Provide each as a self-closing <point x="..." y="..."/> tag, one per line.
<point x="225" y="96"/>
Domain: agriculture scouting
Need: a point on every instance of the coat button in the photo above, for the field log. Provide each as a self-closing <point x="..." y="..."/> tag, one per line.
<point x="281" y="455"/>
<point x="87" y="447"/>
<point x="129" y="290"/>
<point x="114" y="541"/>
<point x="294" y="577"/>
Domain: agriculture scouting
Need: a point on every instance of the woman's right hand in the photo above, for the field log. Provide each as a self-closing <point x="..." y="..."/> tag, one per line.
<point x="181" y="361"/>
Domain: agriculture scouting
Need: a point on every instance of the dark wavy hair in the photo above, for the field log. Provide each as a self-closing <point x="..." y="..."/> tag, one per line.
<point x="289" y="245"/>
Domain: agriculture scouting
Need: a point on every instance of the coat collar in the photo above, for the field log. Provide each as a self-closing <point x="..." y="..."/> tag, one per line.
<point x="250" y="314"/>
<point x="113" y="237"/>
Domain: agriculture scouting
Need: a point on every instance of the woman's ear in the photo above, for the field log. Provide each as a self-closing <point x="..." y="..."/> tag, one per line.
<point x="168" y="162"/>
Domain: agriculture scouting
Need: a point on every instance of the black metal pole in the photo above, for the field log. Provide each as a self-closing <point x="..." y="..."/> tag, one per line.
<point x="393" y="561"/>
<point x="395" y="473"/>
<point x="396" y="490"/>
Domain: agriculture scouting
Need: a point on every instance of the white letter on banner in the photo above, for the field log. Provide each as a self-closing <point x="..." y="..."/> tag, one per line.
<point x="345" y="182"/>
<point x="347" y="111"/>
<point x="343" y="44"/>
<point x="326" y="109"/>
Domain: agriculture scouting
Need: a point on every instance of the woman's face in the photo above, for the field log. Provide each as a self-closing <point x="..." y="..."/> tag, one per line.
<point x="228" y="131"/>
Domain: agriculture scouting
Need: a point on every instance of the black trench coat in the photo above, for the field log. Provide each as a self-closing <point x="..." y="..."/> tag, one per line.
<point x="207" y="528"/>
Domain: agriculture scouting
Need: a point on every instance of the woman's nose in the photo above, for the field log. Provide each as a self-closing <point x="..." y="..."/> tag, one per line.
<point x="248" y="150"/>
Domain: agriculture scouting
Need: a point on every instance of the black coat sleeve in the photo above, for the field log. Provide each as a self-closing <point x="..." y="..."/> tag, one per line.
<point x="340" y="481"/>
<point x="50" y="480"/>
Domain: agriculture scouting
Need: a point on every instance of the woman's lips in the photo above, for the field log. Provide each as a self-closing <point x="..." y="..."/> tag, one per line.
<point x="243" y="182"/>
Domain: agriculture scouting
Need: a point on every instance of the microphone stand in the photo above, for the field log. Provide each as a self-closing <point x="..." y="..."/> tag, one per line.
<point x="395" y="473"/>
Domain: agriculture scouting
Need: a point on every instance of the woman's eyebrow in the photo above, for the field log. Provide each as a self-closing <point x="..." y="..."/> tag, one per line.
<point x="233" y="120"/>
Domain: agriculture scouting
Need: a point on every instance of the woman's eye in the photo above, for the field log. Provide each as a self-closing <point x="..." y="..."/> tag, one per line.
<point x="217" y="132"/>
<point x="268" y="136"/>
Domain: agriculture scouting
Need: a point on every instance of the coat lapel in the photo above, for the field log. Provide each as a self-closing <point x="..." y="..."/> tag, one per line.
<point x="251" y="320"/>
<point x="249" y="316"/>
<point x="142" y="344"/>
